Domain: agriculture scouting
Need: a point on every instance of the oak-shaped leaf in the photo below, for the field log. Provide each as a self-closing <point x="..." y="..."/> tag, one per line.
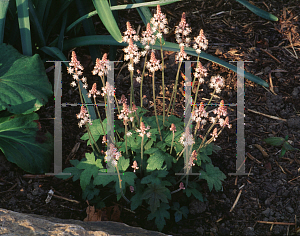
<point x="160" y="214"/>
<point x="213" y="176"/>
<point x="156" y="194"/>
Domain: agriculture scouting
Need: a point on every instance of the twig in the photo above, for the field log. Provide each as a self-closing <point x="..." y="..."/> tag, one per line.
<point x="265" y="51"/>
<point x="272" y="117"/>
<point x="294" y="179"/>
<point x="280" y="166"/>
<point x="274" y="223"/>
<point x="236" y="200"/>
<point x="261" y="150"/>
<point x="253" y="158"/>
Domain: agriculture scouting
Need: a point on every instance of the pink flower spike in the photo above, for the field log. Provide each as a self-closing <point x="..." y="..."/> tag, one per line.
<point x="173" y="127"/>
<point x="134" y="166"/>
<point x="102" y="66"/>
<point x="94" y="91"/>
<point x="200" y="42"/>
<point x="154" y="64"/>
<point x="131" y="189"/>
<point x="181" y="186"/>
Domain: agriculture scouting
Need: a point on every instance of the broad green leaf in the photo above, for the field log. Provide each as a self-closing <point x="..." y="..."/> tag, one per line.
<point x="90" y="192"/>
<point x="109" y="40"/>
<point x="213" y="176"/>
<point x="258" y="11"/>
<point x="288" y="147"/>
<point x="193" y="189"/>
<point x="72" y="171"/>
<point x="127" y="178"/>
<point x="24" y="26"/>
<point x="123" y="164"/>
<point x="24" y="85"/>
<point x="86" y="175"/>
<point x="157" y="158"/>
<point x="96" y="130"/>
<point x="3" y="9"/>
<point x="274" y="141"/>
<point x="153" y="178"/>
<point x="104" y="179"/>
<point x="155" y="194"/>
<point x="107" y="18"/>
<point x="137" y="200"/>
<point x="23" y="142"/>
<point x="160" y="214"/>
<point x="283" y="151"/>
<point x="180" y="211"/>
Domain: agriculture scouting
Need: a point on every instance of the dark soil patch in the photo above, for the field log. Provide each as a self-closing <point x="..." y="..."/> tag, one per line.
<point x="271" y="193"/>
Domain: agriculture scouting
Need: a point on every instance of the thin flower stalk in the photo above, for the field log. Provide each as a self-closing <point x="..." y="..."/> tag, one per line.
<point x="142" y="132"/>
<point x="173" y="129"/>
<point x="159" y="22"/>
<point x="154" y="65"/>
<point x="147" y="38"/>
<point x="131" y="54"/>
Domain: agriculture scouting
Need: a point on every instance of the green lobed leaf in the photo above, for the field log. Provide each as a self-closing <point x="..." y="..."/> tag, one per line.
<point x="156" y="194"/>
<point x="160" y="214"/>
<point x="157" y="158"/>
<point x="193" y="189"/>
<point x="24" y="85"/>
<point x="213" y="176"/>
<point x="24" y="144"/>
<point x="86" y="175"/>
<point x="137" y="200"/>
<point x="90" y="192"/>
<point x="96" y="130"/>
<point x="123" y="164"/>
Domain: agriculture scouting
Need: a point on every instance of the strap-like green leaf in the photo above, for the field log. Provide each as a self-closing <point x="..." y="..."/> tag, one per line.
<point x="107" y="18"/>
<point x="3" y="9"/>
<point x="24" y="25"/>
<point x="258" y="11"/>
<point x="109" y="40"/>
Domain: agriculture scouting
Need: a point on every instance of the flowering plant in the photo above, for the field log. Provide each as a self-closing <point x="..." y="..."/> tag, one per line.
<point x="146" y="156"/>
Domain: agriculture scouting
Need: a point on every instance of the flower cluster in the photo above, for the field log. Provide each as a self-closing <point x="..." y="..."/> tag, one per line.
<point x="197" y="115"/>
<point x="200" y="42"/>
<point x="173" y="128"/>
<point x="148" y="38"/>
<point x="222" y="110"/>
<point x="94" y="91"/>
<point x="153" y="65"/>
<point x="108" y="89"/>
<point x="186" y="138"/>
<point x="131" y="53"/>
<point x="124" y="114"/>
<point x="200" y="72"/>
<point x="214" y="134"/>
<point x="159" y="22"/>
<point x="84" y="116"/>
<point x="182" y="31"/>
<point x="216" y="82"/>
<point x="102" y="66"/>
<point x="112" y="155"/>
<point x="192" y="158"/>
<point x="143" y="130"/>
<point x="180" y="56"/>
<point x="225" y="122"/>
<point x="76" y="69"/>
<point x="130" y="33"/>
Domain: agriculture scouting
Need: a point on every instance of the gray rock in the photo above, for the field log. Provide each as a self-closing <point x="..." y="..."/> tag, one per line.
<point x="267" y="212"/>
<point x="289" y="209"/>
<point x="19" y="224"/>
<point x="249" y="231"/>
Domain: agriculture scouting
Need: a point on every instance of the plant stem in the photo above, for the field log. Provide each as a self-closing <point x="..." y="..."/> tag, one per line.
<point x="131" y="89"/>
<point x="153" y="85"/>
<point x="99" y="115"/>
<point x="163" y="79"/>
<point x="126" y="138"/>
<point x="142" y="154"/>
<point x="142" y="78"/>
<point x="172" y="142"/>
<point x="175" y="89"/>
<point x="120" y="185"/>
